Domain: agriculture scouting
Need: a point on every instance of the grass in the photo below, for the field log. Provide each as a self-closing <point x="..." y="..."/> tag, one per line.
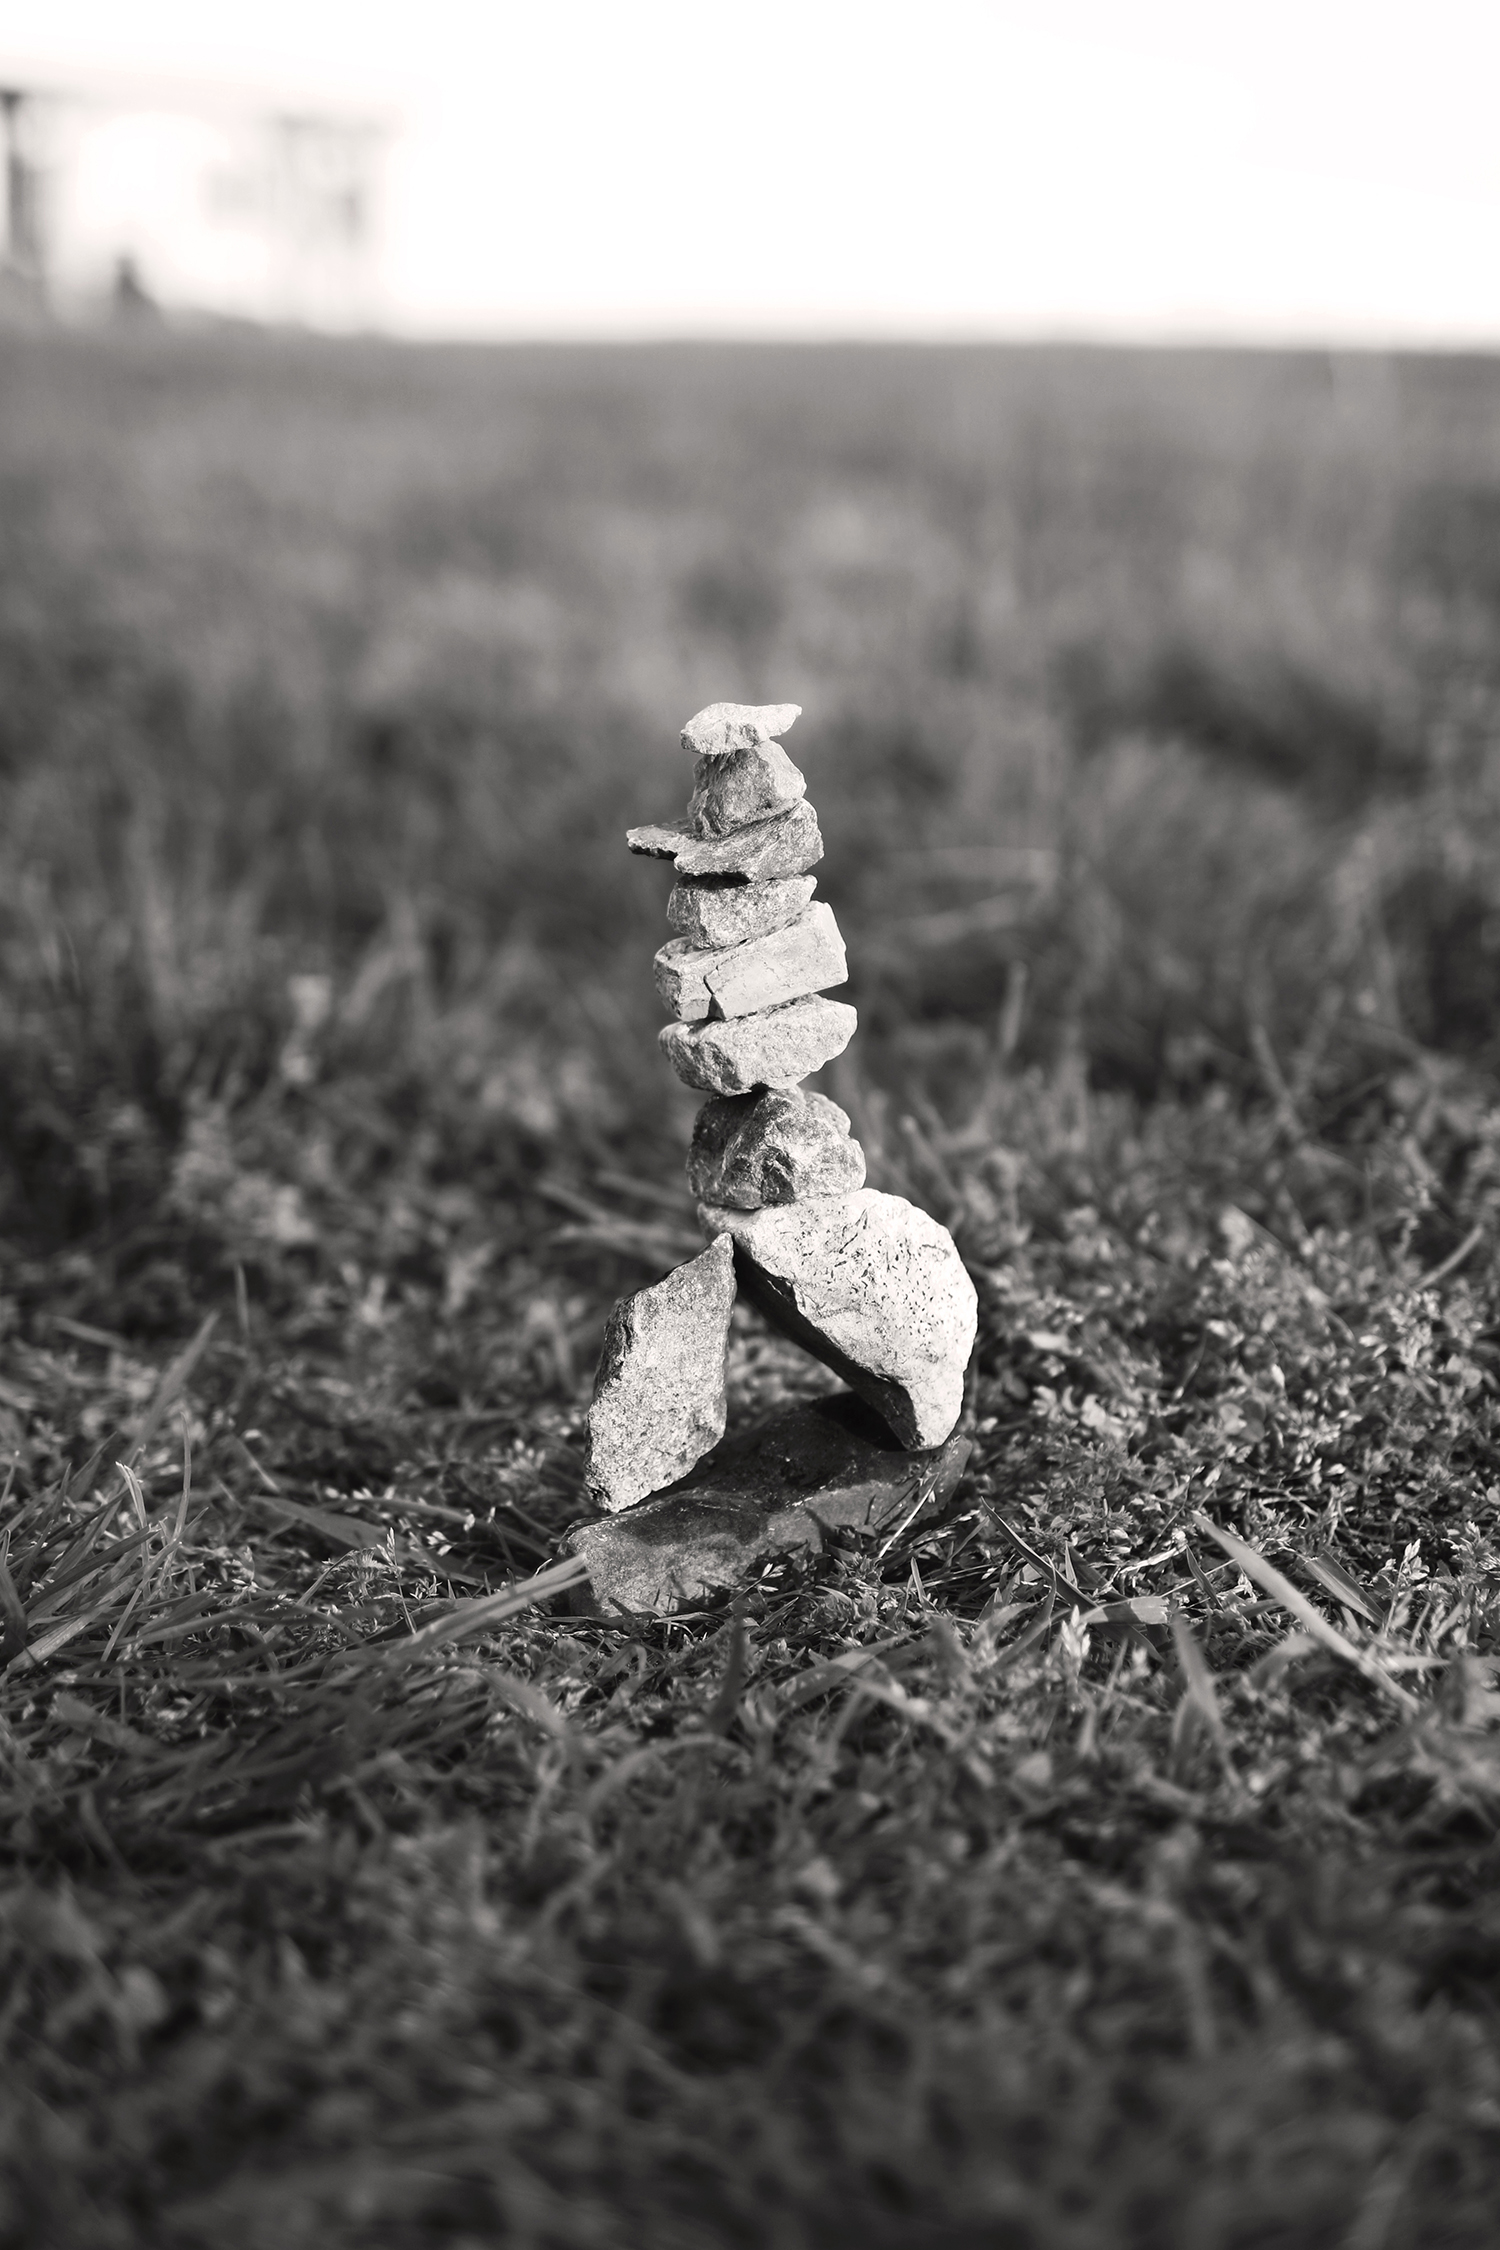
<point x="1109" y="1862"/>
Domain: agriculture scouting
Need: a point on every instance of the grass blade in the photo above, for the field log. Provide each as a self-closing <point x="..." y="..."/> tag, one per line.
<point x="1265" y="1575"/>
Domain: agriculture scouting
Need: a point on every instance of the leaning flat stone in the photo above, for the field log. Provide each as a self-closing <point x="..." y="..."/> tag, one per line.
<point x="787" y="845"/>
<point x="658" y="1401"/>
<point x="722" y="727"/>
<point x="657" y="842"/>
<point x="716" y="913"/>
<point x="776" y="1147"/>
<point x="804" y="956"/>
<point x="774" y="1049"/>
<point x="784" y="1486"/>
<point x="748" y="785"/>
<point x="871" y="1286"/>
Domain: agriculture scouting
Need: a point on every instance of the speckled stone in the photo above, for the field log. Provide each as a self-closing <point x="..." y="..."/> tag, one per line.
<point x="720" y="728"/>
<point x="804" y="956"/>
<point x="776" y="1048"/>
<point x="658" y="1403"/>
<point x="715" y="913"/>
<point x="873" y="1287"/>
<point x="788" y="845"/>
<point x="810" y="1470"/>
<point x="748" y="785"/>
<point x="777" y="1147"/>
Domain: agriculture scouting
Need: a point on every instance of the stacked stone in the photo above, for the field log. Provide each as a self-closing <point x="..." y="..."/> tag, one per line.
<point x="866" y="1282"/>
<point x="755" y="950"/>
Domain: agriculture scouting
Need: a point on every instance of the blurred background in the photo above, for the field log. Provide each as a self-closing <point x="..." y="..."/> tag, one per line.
<point x="407" y="418"/>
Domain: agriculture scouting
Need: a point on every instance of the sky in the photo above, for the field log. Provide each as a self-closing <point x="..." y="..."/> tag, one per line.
<point x="1303" y="170"/>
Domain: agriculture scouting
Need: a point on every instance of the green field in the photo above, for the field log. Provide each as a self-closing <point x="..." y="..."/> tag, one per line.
<point x="1109" y="1863"/>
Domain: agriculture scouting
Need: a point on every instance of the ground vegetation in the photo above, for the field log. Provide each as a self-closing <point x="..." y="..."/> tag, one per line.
<point x="1105" y="1860"/>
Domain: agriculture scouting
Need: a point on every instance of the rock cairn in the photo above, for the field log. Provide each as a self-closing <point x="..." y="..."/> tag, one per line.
<point x="865" y="1281"/>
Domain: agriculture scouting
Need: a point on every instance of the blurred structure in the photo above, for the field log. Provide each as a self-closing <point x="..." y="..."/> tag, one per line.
<point x="21" y="266"/>
<point x="131" y="198"/>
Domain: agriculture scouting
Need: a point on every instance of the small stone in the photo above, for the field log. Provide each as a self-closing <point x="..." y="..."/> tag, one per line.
<point x="804" y="956"/>
<point x="721" y="728"/>
<point x="658" y="1403"/>
<point x="784" y="1486"/>
<point x="719" y="913"/>
<point x="774" y="1049"/>
<point x="871" y="1286"/>
<point x="748" y="785"/>
<point x="776" y="1147"/>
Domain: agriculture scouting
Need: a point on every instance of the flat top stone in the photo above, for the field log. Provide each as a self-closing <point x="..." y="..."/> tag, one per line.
<point x="721" y="727"/>
<point x="746" y="786"/>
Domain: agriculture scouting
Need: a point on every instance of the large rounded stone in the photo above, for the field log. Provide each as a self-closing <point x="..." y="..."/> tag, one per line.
<point x="776" y="1048"/>
<point x="871" y="1286"/>
<point x="658" y="1403"/>
<point x="776" y="1147"/>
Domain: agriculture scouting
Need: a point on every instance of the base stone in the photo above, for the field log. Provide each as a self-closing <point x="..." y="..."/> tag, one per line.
<point x="783" y="1486"/>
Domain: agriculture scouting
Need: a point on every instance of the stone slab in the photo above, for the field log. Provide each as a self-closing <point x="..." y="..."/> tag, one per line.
<point x="788" y="845"/>
<point x="783" y="1487"/>
<point x="776" y="1147"/>
<point x="659" y="1402"/>
<point x="748" y="785"/>
<point x="720" y="728"/>
<point x="873" y="1287"/>
<point x="678" y="974"/>
<point x="711" y="912"/>
<point x="776" y="1048"/>
<point x="802" y="956"/>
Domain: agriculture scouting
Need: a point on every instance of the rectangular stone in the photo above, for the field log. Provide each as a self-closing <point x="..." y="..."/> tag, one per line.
<point x="803" y="956"/>
<point x="715" y="913"/>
